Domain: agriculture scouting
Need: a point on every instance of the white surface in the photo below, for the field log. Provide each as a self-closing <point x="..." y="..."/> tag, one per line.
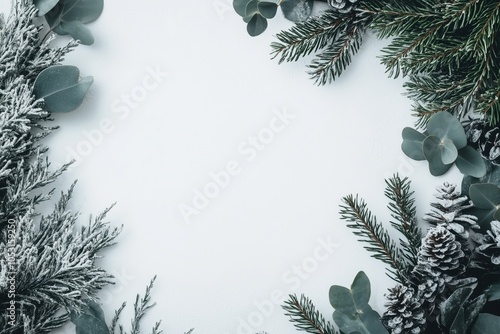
<point x="221" y="88"/>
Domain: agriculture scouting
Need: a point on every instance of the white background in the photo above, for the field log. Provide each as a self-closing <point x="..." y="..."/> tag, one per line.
<point x="221" y="88"/>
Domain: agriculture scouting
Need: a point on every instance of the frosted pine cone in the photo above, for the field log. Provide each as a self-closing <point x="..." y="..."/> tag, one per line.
<point x="442" y="252"/>
<point x="404" y="313"/>
<point x="488" y="250"/>
<point x="486" y="139"/>
<point x="448" y="211"/>
<point x="343" y="6"/>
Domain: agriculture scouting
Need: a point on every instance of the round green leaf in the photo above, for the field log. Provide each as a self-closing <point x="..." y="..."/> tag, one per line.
<point x="412" y="144"/>
<point x="449" y="152"/>
<point x="60" y="88"/>
<point x="240" y="6"/>
<point x="88" y="324"/>
<point x="44" y="6"/>
<point x="486" y="324"/>
<point x="84" y="11"/>
<point x="446" y="126"/>
<point x="470" y="162"/>
<point x="257" y="25"/>
<point x="297" y="10"/>
<point x="78" y="31"/>
<point x="252" y="8"/>
<point x="267" y="9"/>
<point x="349" y="324"/>
<point x="484" y="195"/>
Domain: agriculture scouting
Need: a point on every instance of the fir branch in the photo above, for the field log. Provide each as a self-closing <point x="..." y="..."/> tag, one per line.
<point x="338" y="36"/>
<point x="329" y="64"/>
<point x="365" y="225"/>
<point x="402" y="207"/>
<point x="305" y="317"/>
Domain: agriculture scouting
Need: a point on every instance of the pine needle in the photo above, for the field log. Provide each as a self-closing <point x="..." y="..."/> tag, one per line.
<point x="305" y="317"/>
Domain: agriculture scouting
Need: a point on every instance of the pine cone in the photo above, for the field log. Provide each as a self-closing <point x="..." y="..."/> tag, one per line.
<point x="404" y="313"/>
<point x="488" y="250"/>
<point x="486" y="139"/>
<point x="447" y="211"/>
<point x="343" y="6"/>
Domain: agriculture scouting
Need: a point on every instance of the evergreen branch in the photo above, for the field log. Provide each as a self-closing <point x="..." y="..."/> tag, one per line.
<point x="305" y="317"/>
<point x="309" y="36"/>
<point x="116" y="318"/>
<point x="489" y="103"/>
<point x="402" y="207"/>
<point x="330" y="64"/>
<point x="360" y="219"/>
<point x="141" y="306"/>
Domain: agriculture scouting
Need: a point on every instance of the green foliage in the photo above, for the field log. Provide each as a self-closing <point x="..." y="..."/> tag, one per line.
<point x="403" y="210"/>
<point x="458" y="312"/>
<point x="335" y="36"/>
<point x="352" y="313"/>
<point x="486" y="324"/>
<point x="67" y="17"/>
<point x="443" y="144"/>
<point x="305" y="317"/>
<point x="90" y="320"/>
<point x="255" y="13"/>
<point x="486" y="198"/>
<point x="61" y="88"/>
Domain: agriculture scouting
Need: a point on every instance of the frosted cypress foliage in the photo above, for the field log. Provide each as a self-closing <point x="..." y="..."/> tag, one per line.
<point x="46" y="264"/>
<point x="404" y="313"/>
<point x="448" y="210"/>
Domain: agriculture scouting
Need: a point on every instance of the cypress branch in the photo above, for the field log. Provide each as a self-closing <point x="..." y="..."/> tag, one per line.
<point x="365" y="225"/>
<point x="305" y="317"/>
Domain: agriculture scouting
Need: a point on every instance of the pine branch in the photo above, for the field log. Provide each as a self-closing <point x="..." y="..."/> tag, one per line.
<point x="402" y="207"/>
<point x="305" y="317"/>
<point x="365" y="225"/>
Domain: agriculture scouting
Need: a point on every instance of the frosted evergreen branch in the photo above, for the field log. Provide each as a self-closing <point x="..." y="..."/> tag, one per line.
<point x="141" y="306"/>
<point x="305" y="317"/>
<point x="116" y="318"/>
<point x="403" y="210"/>
<point x="365" y="226"/>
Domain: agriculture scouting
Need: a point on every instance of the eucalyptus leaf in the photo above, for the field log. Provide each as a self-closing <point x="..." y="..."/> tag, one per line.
<point x="492" y="175"/>
<point x="371" y="320"/>
<point x="484" y="195"/>
<point x="493" y="291"/>
<point x="412" y="144"/>
<point x="44" y="6"/>
<point x="458" y="325"/>
<point x="361" y="290"/>
<point x="470" y="162"/>
<point x="472" y="310"/>
<point x="432" y="152"/>
<point x="348" y="324"/>
<point x="267" y="9"/>
<point x="450" y="307"/>
<point x="60" y="88"/>
<point x="297" y="10"/>
<point x="341" y="299"/>
<point x="252" y="8"/>
<point x="257" y="25"/>
<point x="486" y="324"/>
<point x="240" y="6"/>
<point x="84" y="11"/>
<point x="78" y="31"/>
<point x="449" y="152"/>
<point x="89" y="324"/>
<point x="484" y="217"/>
<point x="446" y="126"/>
